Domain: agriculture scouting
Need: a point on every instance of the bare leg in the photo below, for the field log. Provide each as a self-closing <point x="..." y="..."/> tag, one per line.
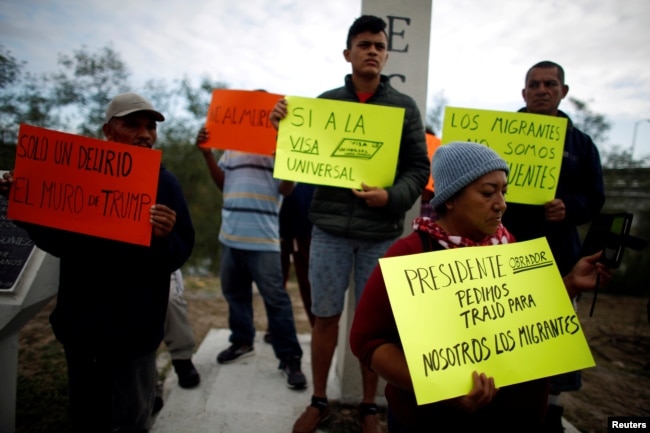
<point x="369" y="421"/>
<point x="369" y="380"/>
<point x="324" y="337"/>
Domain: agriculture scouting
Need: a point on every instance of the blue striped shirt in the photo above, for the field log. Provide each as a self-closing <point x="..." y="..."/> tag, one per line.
<point x="251" y="202"/>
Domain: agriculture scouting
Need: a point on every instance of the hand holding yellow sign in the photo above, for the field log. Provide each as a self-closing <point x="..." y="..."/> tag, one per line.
<point x="532" y="144"/>
<point x="502" y="310"/>
<point x="336" y="143"/>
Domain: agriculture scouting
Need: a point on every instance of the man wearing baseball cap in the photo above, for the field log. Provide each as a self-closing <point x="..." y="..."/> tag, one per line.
<point x="112" y="298"/>
<point x="179" y="337"/>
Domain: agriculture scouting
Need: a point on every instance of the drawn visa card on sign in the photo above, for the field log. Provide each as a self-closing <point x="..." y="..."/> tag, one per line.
<point x="337" y="143"/>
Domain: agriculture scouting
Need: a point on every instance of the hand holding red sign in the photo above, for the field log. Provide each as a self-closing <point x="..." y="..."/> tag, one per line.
<point x="239" y="120"/>
<point x="86" y="185"/>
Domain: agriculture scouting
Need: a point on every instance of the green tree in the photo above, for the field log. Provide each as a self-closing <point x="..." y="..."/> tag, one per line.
<point x="620" y="157"/>
<point x="593" y="124"/>
<point x="186" y="106"/>
<point x="24" y="98"/>
<point x="597" y="126"/>
<point x="74" y="99"/>
<point x="85" y="84"/>
<point x="436" y="113"/>
<point x="10" y="72"/>
<point x="10" y="68"/>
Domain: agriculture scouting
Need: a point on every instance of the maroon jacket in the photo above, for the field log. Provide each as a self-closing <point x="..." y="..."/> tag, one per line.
<point x="519" y="407"/>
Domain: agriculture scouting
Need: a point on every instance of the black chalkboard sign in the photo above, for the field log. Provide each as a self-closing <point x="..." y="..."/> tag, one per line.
<point x="15" y="248"/>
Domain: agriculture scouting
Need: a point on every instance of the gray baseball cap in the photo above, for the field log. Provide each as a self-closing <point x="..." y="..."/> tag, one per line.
<point x="128" y="103"/>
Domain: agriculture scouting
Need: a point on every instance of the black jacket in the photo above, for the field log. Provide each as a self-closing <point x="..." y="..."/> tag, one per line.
<point x="582" y="190"/>
<point x="338" y="211"/>
<point x="113" y="295"/>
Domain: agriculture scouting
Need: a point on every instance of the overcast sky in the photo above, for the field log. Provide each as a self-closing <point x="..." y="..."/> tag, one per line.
<point x="480" y="49"/>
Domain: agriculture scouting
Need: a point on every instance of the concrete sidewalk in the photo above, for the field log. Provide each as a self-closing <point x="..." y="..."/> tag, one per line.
<point x="248" y="396"/>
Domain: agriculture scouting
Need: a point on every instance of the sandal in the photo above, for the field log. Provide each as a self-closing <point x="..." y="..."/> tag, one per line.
<point x="369" y="417"/>
<point x="314" y="415"/>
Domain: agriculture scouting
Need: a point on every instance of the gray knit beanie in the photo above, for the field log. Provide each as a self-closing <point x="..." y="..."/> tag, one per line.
<point x="456" y="165"/>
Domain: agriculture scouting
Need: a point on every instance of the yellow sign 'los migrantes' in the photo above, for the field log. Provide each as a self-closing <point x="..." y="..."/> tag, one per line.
<point x="532" y="144"/>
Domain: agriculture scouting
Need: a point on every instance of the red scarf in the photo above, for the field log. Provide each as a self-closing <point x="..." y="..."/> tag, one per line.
<point x="427" y="225"/>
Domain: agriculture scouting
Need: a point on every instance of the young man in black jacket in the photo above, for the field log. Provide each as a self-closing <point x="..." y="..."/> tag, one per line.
<point x="354" y="228"/>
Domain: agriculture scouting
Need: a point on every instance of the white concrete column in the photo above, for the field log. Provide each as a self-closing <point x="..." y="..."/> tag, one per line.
<point x="347" y="365"/>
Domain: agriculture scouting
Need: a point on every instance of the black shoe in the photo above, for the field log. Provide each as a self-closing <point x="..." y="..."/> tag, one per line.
<point x="188" y="377"/>
<point x="267" y="338"/>
<point x="234" y="352"/>
<point x="291" y="369"/>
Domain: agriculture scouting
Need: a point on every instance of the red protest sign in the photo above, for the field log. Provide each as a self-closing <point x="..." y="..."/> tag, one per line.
<point x="239" y="120"/>
<point x="84" y="185"/>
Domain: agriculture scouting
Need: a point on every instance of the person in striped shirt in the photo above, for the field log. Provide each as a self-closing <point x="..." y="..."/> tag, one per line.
<point x="250" y="253"/>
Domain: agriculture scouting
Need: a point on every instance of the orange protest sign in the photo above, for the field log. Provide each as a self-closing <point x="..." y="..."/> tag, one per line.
<point x="84" y="185"/>
<point x="239" y="120"/>
<point x="433" y="143"/>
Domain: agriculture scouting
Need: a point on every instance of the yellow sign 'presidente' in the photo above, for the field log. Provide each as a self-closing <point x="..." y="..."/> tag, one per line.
<point x="337" y="143"/>
<point x="532" y="144"/>
<point x="502" y="310"/>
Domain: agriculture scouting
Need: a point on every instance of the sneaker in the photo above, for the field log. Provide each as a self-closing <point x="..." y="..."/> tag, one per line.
<point x="234" y="352"/>
<point x="291" y="369"/>
<point x="188" y="377"/>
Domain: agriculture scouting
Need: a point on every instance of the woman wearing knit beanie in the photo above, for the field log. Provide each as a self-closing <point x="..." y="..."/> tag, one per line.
<point x="471" y="182"/>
